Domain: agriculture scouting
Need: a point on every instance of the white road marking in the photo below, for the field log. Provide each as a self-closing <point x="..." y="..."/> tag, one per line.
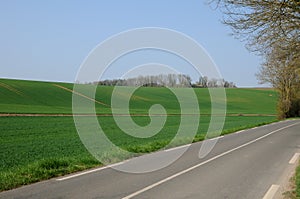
<point x="187" y="145"/>
<point x="179" y="147"/>
<point x="216" y="138"/>
<point x="89" y="171"/>
<point x="271" y="192"/>
<point x="239" y="131"/>
<point x="294" y="158"/>
<point x="255" y="127"/>
<point x="205" y="162"/>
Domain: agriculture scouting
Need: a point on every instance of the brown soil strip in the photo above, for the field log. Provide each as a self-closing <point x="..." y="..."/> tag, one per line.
<point x="10" y="88"/>
<point x="109" y="115"/>
<point x="80" y="94"/>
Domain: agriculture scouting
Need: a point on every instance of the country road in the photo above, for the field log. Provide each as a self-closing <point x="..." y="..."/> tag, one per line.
<point x="250" y="164"/>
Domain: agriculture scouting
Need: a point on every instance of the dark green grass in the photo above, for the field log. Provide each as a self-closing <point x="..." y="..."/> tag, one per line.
<point x="37" y="148"/>
<point x="33" y="97"/>
<point x="251" y="101"/>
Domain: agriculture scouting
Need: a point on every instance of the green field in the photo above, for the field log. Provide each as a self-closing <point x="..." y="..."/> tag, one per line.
<point x="19" y="96"/>
<point x="36" y="148"/>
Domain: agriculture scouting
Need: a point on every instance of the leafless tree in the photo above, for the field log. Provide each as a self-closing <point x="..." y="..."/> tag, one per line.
<point x="280" y="69"/>
<point x="272" y="28"/>
<point x="263" y="23"/>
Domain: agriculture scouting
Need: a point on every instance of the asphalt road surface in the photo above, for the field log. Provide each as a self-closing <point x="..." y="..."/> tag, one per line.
<point x="250" y="164"/>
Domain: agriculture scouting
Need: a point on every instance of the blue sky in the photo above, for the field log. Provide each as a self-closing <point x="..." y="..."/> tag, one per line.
<point x="48" y="40"/>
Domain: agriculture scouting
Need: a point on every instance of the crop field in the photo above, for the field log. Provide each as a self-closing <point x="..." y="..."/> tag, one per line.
<point x="19" y="96"/>
<point x="34" y="148"/>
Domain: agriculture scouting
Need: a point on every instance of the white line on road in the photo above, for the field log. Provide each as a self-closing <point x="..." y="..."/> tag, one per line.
<point x="294" y="158"/>
<point x="239" y="131"/>
<point x="203" y="163"/>
<point x="271" y="192"/>
<point x="89" y="171"/>
<point x="179" y="147"/>
<point x="187" y="145"/>
<point x="216" y="138"/>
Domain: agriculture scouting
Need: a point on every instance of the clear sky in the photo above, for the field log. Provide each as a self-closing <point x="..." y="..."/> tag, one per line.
<point x="48" y="40"/>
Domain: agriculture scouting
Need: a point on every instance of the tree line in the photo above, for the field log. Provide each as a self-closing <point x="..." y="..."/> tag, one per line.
<point x="272" y="29"/>
<point x="167" y="80"/>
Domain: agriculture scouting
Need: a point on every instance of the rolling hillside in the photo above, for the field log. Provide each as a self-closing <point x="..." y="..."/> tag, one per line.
<point x="20" y="96"/>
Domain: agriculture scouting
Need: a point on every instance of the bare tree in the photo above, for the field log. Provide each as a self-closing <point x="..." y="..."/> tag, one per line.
<point x="271" y="27"/>
<point x="263" y="23"/>
<point x="279" y="70"/>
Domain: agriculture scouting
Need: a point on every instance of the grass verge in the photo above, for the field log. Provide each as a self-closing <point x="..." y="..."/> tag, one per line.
<point x="42" y="170"/>
<point x="39" y="148"/>
<point x="294" y="189"/>
<point x="297" y="181"/>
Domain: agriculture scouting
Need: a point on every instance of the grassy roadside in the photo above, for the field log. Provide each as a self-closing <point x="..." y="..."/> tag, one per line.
<point x="294" y="192"/>
<point x="43" y="169"/>
<point x="52" y="147"/>
<point x="297" y="181"/>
